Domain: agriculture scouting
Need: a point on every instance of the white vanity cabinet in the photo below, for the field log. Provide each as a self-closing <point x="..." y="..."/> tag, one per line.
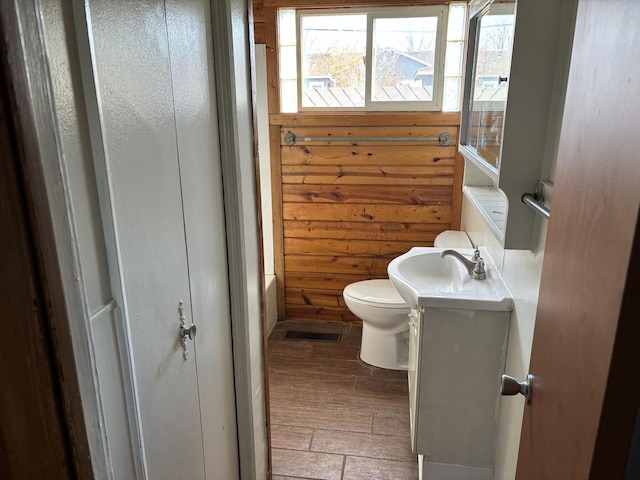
<point x="413" y="367"/>
<point x="456" y="359"/>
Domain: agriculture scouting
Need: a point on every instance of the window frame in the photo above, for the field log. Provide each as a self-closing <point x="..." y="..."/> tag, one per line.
<point x="440" y="12"/>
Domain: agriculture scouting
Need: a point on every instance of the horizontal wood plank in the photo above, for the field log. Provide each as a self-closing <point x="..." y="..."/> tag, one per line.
<point x="259" y="33"/>
<point x="365" y="119"/>
<point x="376" y="266"/>
<point x="317" y="297"/>
<point x="431" y="195"/>
<point x="322" y="246"/>
<point x="374" y="176"/>
<point x="368" y="155"/>
<point x="367" y="135"/>
<point x="367" y="213"/>
<point x="323" y="281"/>
<point x="321" y="314"/>
<point x="419" y="233"/>
<point x="258" y="11"/>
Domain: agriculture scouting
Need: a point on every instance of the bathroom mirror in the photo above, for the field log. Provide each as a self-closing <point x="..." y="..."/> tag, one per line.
<point x="491" y="33"/>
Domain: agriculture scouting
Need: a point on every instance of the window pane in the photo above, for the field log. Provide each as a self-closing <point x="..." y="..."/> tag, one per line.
<point x="289" y="96"/>
<point x="288" y="63"/>
<point x="490" y="78"/>
<point x="333" y="52"/>
<point x="453" y="59"/>
<point x="451" y="95"/>
<point x="288" y="71"/>
<point x="403" y="59"/>
<point x="287" y="27"/>
<point x="457" y="20"/>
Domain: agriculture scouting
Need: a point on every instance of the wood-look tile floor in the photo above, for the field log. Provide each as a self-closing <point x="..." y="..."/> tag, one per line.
<point x="334" y="417"/>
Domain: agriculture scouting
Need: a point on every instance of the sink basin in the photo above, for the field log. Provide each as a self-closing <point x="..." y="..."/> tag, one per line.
<point x="423" y="278"/>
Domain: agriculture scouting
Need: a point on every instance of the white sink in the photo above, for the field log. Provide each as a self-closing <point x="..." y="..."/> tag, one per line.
<point x="423" y="278"/>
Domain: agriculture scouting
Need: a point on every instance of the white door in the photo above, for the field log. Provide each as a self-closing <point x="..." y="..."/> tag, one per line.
<point x="154" y="83"/>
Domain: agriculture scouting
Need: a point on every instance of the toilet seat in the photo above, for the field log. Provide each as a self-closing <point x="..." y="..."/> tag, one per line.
<point x="376" y="293"/>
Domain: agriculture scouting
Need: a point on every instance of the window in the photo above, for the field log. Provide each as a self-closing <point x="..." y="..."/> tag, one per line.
<point x="371" y="59"/>
<point x="493" y="41"/>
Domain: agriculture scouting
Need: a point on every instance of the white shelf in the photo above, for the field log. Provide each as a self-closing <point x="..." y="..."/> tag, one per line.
<point x="492" y="204"/>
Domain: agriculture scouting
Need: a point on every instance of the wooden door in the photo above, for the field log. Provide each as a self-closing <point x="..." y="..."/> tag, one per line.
<point x="585" y="349"/>
<point x="154" y="85"/>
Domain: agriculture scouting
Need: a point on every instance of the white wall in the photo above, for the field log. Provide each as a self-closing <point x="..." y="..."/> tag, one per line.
<point x="264" y="154"/>
<point x="264" y="157"/>
<point x="521" y="270"/>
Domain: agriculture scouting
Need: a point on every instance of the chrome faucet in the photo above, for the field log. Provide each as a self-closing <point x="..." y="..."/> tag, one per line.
<point x="475" y="267"/>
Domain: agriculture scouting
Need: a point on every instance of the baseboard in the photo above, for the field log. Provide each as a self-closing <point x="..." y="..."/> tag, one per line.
<point x="442" y="471"/>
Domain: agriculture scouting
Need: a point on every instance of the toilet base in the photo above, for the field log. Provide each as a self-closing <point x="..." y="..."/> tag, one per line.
<point x="385" y="349"/>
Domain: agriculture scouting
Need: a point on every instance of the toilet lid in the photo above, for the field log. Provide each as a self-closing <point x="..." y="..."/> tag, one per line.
<point x="376" y="292"/>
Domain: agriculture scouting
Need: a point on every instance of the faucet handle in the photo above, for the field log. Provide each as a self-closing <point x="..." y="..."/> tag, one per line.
<point x="478" y="270"/>
<point x="476" y="255"/>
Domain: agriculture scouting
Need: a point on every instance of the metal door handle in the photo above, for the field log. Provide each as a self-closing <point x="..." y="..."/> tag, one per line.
<point x="185" y="331"/>
<point x="511" y="386"/>
<point x="191" y="331"/>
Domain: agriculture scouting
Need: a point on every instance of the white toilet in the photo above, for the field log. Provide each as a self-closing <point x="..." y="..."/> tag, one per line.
<point x="384" y="314"/>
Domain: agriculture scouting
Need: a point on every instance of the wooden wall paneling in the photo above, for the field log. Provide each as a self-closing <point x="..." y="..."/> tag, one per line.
<point x="393" y="194"/>
<point x="259" y="22"/>
<point x="336" y="154"/>
<point x="374" y="266"/>
<point x="368" y="175"/>
<point x="260" y="32"/>
<point x="364" y="119"/>
<point x="315" y="247"/>
<point x="367" y="213"/>
<point x="317" y="297"/>
<point x="456" y="199"/>
<point x="321" y="314"/>
<point x="342" y="204"/>
<point x="423" y="233"/>
<point x="258" y="11"/>
<point x="271" y="41"/>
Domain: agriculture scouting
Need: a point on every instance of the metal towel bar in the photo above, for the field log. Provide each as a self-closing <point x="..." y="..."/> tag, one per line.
<point x="534" y="200"/>
<point x="443" y="139"/>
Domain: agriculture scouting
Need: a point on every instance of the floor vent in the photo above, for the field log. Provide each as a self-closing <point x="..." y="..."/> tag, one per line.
<point x="319" y="337"/>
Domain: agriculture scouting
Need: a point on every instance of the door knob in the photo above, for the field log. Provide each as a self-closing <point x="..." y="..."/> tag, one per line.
<point x="511" y="386"/>
<point x="191" y="331"/>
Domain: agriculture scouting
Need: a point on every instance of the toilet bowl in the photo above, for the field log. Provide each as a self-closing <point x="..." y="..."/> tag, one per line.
<point x="385" y="322"/>
<point x="385" y="314"/>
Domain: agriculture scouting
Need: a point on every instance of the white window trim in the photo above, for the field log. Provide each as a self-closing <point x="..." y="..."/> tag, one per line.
<point x="441" y="12"/>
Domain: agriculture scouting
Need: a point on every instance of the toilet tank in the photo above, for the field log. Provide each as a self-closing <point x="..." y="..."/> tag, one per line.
<point x="452" y="239"/>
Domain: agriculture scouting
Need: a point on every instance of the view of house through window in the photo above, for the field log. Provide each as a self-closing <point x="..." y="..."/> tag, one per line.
<point x="404" y="55"/>
<point x="372" y="59"/>
<point x="333" y="51"/>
